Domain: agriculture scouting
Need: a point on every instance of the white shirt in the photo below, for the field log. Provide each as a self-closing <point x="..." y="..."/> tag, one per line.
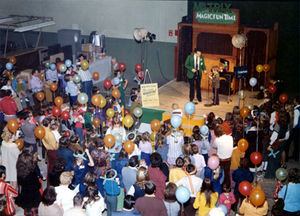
<point x="57" y="135"/>
<point x="6" y="87"/>
<point x="296" y="115"/>
<point x="199" y="162"/>
<point x="75" y="212"/>
<point x="64" y="197"/>
<point x="196" y="181"/>
<point x="85" y="75"/>
<point x="95" y="208"/>
<point x="195" y="63"/>
<point x="224" y="146"/>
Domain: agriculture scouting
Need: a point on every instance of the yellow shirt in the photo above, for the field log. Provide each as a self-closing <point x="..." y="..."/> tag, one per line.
<point x="235" y="158"/>
<point x="249" y="210"/>
<point x="49" y="140"/>
<point x="176" y="174"/>
<point x="200" y="203"/>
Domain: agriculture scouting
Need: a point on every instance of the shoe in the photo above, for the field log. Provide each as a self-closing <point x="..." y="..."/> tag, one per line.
<point x="195" y="102"/>
<point x="200" y="100"/>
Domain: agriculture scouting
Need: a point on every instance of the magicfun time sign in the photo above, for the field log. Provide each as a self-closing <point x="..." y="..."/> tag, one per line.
<point x="219" y="13"/>
<point x="149" y="93"/>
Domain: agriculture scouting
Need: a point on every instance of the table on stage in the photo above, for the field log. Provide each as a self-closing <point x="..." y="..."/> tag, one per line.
<point x="102" y="66"/>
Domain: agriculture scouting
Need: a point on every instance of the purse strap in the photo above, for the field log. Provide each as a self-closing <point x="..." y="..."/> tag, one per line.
<point x="285" y="191"/>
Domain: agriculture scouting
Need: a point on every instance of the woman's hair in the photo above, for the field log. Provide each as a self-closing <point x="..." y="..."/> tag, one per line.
<point x="207" y="189"/>
<point x="92" y="194"/>
<point x="6" y="135"/>
<point x="25" y="164"/>
<point x="142" y="177"/>
<point x="219" y="130"/>
<point x="179" y="162"/>
<point x="64" y="142"/>
<point x="156" y="160"/>
<point x="170" y="192"/>
<point x="66" y="178"/>
<point x="123" y="154"/>
<point x="283" y="119"/>
<point x="49" y="196"/>
<point x="196" y="129"/>
<point x="89" y="178"/>
<point x="59" y="164"/>
<point x="115" y="120"/>
<point x="137" y="140"/>
<point x="229" y="117"/>
<point x="293" y="176"/>
<point x="146" y="137"/>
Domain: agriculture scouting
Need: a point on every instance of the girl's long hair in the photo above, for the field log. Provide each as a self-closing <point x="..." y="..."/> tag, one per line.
<point x="207" y="189"/>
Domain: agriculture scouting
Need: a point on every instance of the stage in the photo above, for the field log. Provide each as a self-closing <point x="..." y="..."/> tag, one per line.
<point x="178" y="92"/>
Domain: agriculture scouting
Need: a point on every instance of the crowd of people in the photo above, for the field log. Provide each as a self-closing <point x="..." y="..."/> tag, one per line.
<point x="132" y="173"/>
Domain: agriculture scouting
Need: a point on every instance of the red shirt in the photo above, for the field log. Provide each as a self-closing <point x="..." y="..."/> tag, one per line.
<point x="10" y="193"/>
<point x="159" y="178"/>
<point x="227" y="127"/>
<point x="8" y="106"/>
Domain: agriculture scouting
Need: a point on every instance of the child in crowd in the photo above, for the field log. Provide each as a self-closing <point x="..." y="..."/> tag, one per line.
<point x="227" y="198"/>
<point x="78" y="121"/>
<point x="199" y="160"/>
<point x="121" y="87"/>
<point x="215" y="77"/>
<point x="177" y="172"/>
<point x="133" y="91"/>
<point x="204" y="143"/>
<point x="146" y="147"/>
<point x="71" y="89"/>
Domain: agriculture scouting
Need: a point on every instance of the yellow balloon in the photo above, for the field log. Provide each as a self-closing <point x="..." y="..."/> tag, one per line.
<point x="110" y="112"/>
<point x="102" y="102"/>
<point x="153" y="135"/>
<point x="128" y="121"/>
<point x="84" y="65"/>
<point x="242" y="95"/>
<point x="259" y="68"/>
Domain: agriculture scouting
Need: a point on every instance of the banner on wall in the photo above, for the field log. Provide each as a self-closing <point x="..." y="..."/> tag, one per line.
<point x="149" y="94"/>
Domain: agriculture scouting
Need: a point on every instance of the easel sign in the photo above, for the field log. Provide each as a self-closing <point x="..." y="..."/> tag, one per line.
<point x="149" y="94"/>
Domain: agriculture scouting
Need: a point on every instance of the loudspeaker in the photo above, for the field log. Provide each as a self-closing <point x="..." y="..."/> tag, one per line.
<point x="54" y="49"/>
<point x="67" y="50"/>
<point x="70" y="37"/>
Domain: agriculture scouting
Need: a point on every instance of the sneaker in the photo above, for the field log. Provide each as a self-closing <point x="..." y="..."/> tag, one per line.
<point x="26" y="100"/>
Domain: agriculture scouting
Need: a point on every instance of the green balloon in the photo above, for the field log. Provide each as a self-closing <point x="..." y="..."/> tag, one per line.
<point x="62" y="68"/>
<point x="138" y="112"/>
<point x="281" y="174"/>
<point x="76" y="78"/>
<point x="82" y="98"/>
<point x="47" y="64"/>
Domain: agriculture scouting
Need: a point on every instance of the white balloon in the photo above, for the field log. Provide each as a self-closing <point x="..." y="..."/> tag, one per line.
<point x="253" y="81"/>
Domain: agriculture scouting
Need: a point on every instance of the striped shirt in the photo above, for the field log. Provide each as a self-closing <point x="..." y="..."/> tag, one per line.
<point x="85" y="75"/>
<point x="10" y="193"/>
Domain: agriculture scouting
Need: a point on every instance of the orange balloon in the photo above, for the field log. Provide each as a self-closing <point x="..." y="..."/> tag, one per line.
<point x="116" y="93"/>
<point x="257" y="197"/>
<point x="109" y="140"/>
<point x="155" y="124"/>
<point x="39" y="132"/>
<point x="96" y="122"/>
<point x="243" y="145"/>
<point x="13" y="125"/>
<point x="7" y="73"/>
<point x="58" y="101"/>
<point x="13" y="60"/>
<point x="95" y="75"/>
<point x="96" y="100"/>
<point x="40" y="96"/>
<point x="20" y="144"/>
<point x="244" y="112"/>
<point x="53" y="87"/>
<point x="266" y="67"/>
<point x="128" y="146"/>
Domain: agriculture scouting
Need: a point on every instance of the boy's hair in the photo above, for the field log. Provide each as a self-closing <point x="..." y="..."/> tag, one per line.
<point x="179" y="162"/>
<point x="175" y="106"/>
<point x="77" y="200"/>
<point x="129" y="202"/>
<point x="2" y="170"/>
<point x="67" y="77"/>
<point x="110" y="173"/>
<point x="133" y="97"/>
<point x="150" y="187"/>
<point x="195" y="149"/>
<point x="133" y="161"/>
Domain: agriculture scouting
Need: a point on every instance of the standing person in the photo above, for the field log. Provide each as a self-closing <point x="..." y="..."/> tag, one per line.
<point x="296" y="129"/>
<point x="175" y="141"/>
<point x="195" y="65"/>
<point x="35" y="82"/>
<point x="8" y="106"/>
<point x="28" y="128"/>
<point x="94" y="202"/>
<point x="146" y="147"/>
<point x="14" y="95"/>
<point x="71" y="89"/>
<point x="129" y="172"/>
<point x="47" y="206"/>
<point x="51" y="77"/>
<point x="170" y="201"/>
<point x="77" y="210"/>
<point x="112" y="190"/>
<point x="215" y="77"/>
<point x="87" y="83"/>
<point x="121" y="86"/>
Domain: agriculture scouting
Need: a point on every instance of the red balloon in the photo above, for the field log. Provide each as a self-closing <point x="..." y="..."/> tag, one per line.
<point x="122" y="66"/>
<point x="56" y="111"/>
<point x="57" y="66"/>
<point x="126" y="112"/>
<point x="283" y="98"/>
<point x="65" y="115"/>
<point x="272" y="89"/>
<point x="245" y="188"/>
<point x="138" y="67"/>
<point x="107" y="84"/>
<point x="67" y="133"/>
<point x="256" y="158"/>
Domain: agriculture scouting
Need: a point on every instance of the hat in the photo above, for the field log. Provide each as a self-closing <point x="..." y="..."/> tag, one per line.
<point x="79" y="156"/>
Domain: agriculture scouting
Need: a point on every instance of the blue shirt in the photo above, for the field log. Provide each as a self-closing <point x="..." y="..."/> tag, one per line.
<point x="111" y="188"/>
<point x="71" y="88"/>
<point x="51" y="75"/>
<point x="292" y="198"/>
<point x="126" y="213"/>
<point x="14" y="84"/>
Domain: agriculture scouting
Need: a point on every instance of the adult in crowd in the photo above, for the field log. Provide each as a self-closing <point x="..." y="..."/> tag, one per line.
<point x="14" y="95"/>
<point x="195" y="65"/>
<point x="35" y="82"/>
<point x="48" y="205"/>
<point x="170" y="200"/>
<point x="77" y="210"/>
<point x="129" y="172"/>
<point x="66" y="153"/>
<point x="8" y="106"/>
<point x="87" y="83"/>
<point x="138" y="188"/>
<point x="28" y="128"/>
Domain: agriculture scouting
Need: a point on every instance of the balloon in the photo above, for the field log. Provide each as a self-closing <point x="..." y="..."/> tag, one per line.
<point x="182" y="194"/>
<point x="47" y="64"/>
<point x="110" y="112"/>
<point x="126" y="111"/>
<point x="213" y="162"/>
<point x="128" y="121"/>
<point x="67" y="133"/>
<point x="118" y="137"/>
<point x="52" y="67"/>
<point x="204" y="130"/>
<point x="68" y="63"/>
<point x="244" y="112"/>
<point x="253" y="81"/>
<point x="11" y="77"/>
<point x="20" y="144"/>
<point x="250" y="106"/>
<point x="242" y="94"/>
<point x="58" y="101"/>
<point x="283" y="98"/>
<point x="62" y="68"/>
<point x="138" y="67"/>
<point x="242" y="145"/>
<point x="40" y="96"/>
<point x="116" y="81"/>
<point x="76" y="78"/>
<point x="57" y="65"/>
<point x="84" y="65"/>
<point x="138" y="112"/>
<point x="176" y="121"/>
<point x="96" y="100"/>
<point x="82" y="98"/>
<point x="107" y="84"/>
<point x="9" y="66"/>
<point x="122" y="66"/>
<point x="109" y="140"/>
<point x="116" y="93"/>
<point x="65" y="115"/>
<point x="256" y="158"/>
<point x="96" y="122"/>
<point x="223" y="208"/>
<point x="245" y="188"/>
<point x="56" y="111"/>
<point x="53" y="87"/>
<point x="189" y="108"/>
<point x="13" y="60"/>
<point x="39" y="132"/>
<point x="152" y="135"/>
<point x="257" y="197"/>
<point x="128" y="146"/>
<point x="95" y="75"/>
<point x="266" y="67"/>
<point x="259" y="68"/>
<point x="102" y="102"/>
<point x="155" y="125"/>
<point x="13" y="125"/>
<point x="7" y="73"/>
<point x="272" y="89"/>
<point x="281" y="174"/>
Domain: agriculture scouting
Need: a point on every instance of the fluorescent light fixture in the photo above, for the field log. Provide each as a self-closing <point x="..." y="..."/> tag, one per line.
<point x="35" y="26"/>
<point x="5" y="20"/>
